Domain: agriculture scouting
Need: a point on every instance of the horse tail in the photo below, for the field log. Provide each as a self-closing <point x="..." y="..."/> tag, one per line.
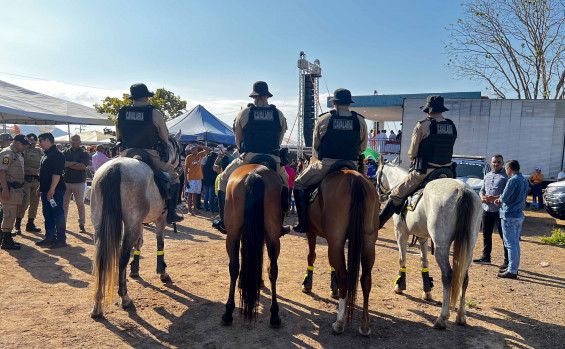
<point x="252" y="245"/>
<point x="109" y="235"/>
<point x="462" y="249"/>
<point x="355" y="230"/>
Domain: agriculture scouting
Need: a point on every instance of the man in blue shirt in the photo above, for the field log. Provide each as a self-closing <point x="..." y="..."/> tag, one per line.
<point x="493" y="185"/>
<point x="513" y="200"/>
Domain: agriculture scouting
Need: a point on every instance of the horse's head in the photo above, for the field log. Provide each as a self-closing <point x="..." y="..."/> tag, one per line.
<point x="388" y="176"/>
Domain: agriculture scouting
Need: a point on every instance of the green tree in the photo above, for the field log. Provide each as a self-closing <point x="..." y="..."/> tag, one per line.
<point x="164" y="100"/>
<point x="515" y="46"/>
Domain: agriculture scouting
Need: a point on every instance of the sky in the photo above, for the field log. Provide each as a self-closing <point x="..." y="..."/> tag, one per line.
<point x="211" y="52"/>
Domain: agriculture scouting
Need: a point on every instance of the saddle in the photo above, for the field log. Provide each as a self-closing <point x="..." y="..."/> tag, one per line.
<point x="269" y="162"/>
<point x="162" y="179"/>
<point x="412" y="200"/>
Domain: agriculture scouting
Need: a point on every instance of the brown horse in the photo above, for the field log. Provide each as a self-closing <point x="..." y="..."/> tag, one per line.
<point x="346" y="208"/>
<point x="253" y="216"/>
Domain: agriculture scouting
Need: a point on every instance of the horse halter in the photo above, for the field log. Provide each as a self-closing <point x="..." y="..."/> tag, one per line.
<point x="383" y="192"/>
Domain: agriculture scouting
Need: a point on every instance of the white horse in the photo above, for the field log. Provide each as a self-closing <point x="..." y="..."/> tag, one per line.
<point x="123" y="197"/>
<point x="448" y="211"/>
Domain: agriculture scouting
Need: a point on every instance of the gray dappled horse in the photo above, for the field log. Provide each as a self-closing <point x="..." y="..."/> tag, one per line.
<point x="448" y="211"/>
<point x="123" y="197"/>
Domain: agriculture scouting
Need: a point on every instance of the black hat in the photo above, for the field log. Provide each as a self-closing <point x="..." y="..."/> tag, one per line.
<point x="342" y="96"/>
<point x="434" y="104"/>
<point x="138" y="91"/>
<point x="260" y="88"/>
<point x="6" y="137"/>
<point x="31" y="136"/>
<point x="22" y="139"/>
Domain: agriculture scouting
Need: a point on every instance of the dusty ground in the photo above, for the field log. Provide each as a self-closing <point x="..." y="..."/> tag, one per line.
<point x="45" y="297"/>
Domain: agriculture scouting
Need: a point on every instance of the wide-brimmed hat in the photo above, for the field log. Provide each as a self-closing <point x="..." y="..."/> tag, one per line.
<point x="138" y="91"/>
<point x="342" y="96"/>
<point x="260" y="88"/>
<point x="434" y="104"/>
<point x="22" y="139"/>
<point x="6" y="137"/>
<point x="31" y="137"/>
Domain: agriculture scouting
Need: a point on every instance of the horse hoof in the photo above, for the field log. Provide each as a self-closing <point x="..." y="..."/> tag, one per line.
<point x="365" y="332"/>
<point x="133" y="275"/>
<point x="427" y="296"/>
<point x="126" y="302"/>
<point x="275" y="323"/>
<point x="397" y="290"/>
<point x="96" y="313"/>
<point x="461" y="320"/>
<point x="165" y="277"/>
<point x="227" y="320"/>
<point x="439" y="324"/>
<point x="306" y="290"/>
<point x="334" y="294"/>
<point x="338" y="327"/>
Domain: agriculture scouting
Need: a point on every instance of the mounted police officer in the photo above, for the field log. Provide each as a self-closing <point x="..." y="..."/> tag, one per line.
<point x="339" y="134"/>
<point x="431" y="148"/>
<point x="259" y="129"/>
<point x="142" y="126"/>
<point x="32" y="162"/>
<point x="12" y="183"/>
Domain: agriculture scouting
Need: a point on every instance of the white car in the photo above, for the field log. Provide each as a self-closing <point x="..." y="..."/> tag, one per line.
<point x="554" y="199"/>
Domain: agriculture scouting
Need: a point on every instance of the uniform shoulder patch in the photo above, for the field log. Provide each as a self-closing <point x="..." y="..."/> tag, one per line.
<point x="6" y="160"/>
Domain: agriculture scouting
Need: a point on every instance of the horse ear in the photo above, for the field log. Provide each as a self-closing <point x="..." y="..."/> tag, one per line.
<point x="177" y="136"/>
<point x="395" y="161"/>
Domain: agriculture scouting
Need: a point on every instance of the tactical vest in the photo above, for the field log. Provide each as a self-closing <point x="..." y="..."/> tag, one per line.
<point x="262" y="132"/>
<point x="136" y="127"/>
<point x="342" y="138"/>
<point x="438" y="147"/>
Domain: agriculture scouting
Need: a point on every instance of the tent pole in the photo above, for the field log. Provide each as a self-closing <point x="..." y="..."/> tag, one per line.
<point x="69" y="129"/>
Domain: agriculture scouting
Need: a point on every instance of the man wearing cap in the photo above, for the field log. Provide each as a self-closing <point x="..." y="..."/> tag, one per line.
<point x="431" y="148"/>
<point x="258" y="129"/>
<point x="536" y="181"/>
<point x="143" y="126"/>
<point x="339" y="134"/>
<point x="194" y="175"/>
<point x="12" y="183"/>
<point x="32" y="162"/>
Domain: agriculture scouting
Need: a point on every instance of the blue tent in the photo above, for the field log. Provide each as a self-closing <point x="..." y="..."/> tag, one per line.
<point x="199" y="124"/>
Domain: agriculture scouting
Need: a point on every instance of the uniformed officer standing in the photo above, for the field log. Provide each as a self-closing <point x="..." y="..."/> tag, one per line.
<point x="5" y="141"/>
<point x="339" y="134"/>
<point x="258" y="129"/>
<point x="32" y="162"/>
<point x="431" y="148"/>
<point x="142" y="126"/>
<point x="12" y="183"/>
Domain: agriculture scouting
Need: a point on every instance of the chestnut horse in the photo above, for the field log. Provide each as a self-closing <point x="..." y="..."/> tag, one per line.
<point x="253" y="217"/>
<point x="346" y="208"/>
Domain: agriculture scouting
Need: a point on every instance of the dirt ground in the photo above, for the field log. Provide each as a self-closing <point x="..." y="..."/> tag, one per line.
<point x="46" y="296"/>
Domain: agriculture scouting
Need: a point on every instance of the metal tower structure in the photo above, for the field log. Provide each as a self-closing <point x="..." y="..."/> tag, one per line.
<point x="309" y="75"/>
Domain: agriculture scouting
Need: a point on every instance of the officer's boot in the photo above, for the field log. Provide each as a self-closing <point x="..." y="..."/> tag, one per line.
<point x="386" y="213"/>
<point x="8" y="242"/>
<point x="18" y="227"/>
<point x="30" y="226"/>
<point x="219" y="223"/>
<point x="301" y="201"/>
<point x="172" y="216"/>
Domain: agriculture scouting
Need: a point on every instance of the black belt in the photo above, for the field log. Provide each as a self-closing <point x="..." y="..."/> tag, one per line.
<point x="30" y="178"/>
<point x="15" y="185"/>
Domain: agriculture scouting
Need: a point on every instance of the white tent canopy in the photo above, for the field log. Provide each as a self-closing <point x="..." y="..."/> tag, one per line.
<point x="21" y="106"/>
<point x="87" y="138"/>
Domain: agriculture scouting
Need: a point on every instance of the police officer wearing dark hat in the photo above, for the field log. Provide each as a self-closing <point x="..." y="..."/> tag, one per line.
<point x="340" y="134"/>
<point x="142" y="126"/>
<point x="258" y="129"/>
<point x="431" y="148"/>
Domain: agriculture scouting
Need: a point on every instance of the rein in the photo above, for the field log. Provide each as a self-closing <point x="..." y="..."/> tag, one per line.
<point x="382" y="190"/>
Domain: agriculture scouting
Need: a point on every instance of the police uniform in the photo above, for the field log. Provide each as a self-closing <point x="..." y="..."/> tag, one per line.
<point x="12" y="162"/>
<point x="32" y="162"/>
<point x="431" y="148"/>
<point x="261" y="131"/>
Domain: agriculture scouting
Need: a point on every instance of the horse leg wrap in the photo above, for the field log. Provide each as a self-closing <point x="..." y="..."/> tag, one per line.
<point x="161" y="265"/>
<point x="333" y="281"/>
<point x="307" y="283"/>
<point x="401" y="279"/>
<point x="427" y="280"/>
<point x="135" y="262"/>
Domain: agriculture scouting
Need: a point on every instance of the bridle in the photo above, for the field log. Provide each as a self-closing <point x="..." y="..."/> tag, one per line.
<point x="383" y="192"/>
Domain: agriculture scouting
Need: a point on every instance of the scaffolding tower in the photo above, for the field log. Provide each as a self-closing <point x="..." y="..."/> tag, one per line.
<point x="309" y="75"/>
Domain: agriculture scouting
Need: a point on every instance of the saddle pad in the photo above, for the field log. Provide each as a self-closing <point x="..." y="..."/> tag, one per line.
<point x="413" y="200"/>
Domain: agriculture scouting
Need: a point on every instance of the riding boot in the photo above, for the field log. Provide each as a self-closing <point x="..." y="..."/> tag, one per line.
<point x="17" y="227"/>
<point x="8" y="243"/>
<point x="30" y="226"/>
<point x="301" y="201"/>
<point x="219" y="223"/>
<point x="386" y="213"/>
<point x="172" y="216"/>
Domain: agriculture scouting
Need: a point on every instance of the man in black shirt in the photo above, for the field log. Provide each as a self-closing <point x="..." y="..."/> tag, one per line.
<point x="76" y="160"/>
<point x="52" y="189"/>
